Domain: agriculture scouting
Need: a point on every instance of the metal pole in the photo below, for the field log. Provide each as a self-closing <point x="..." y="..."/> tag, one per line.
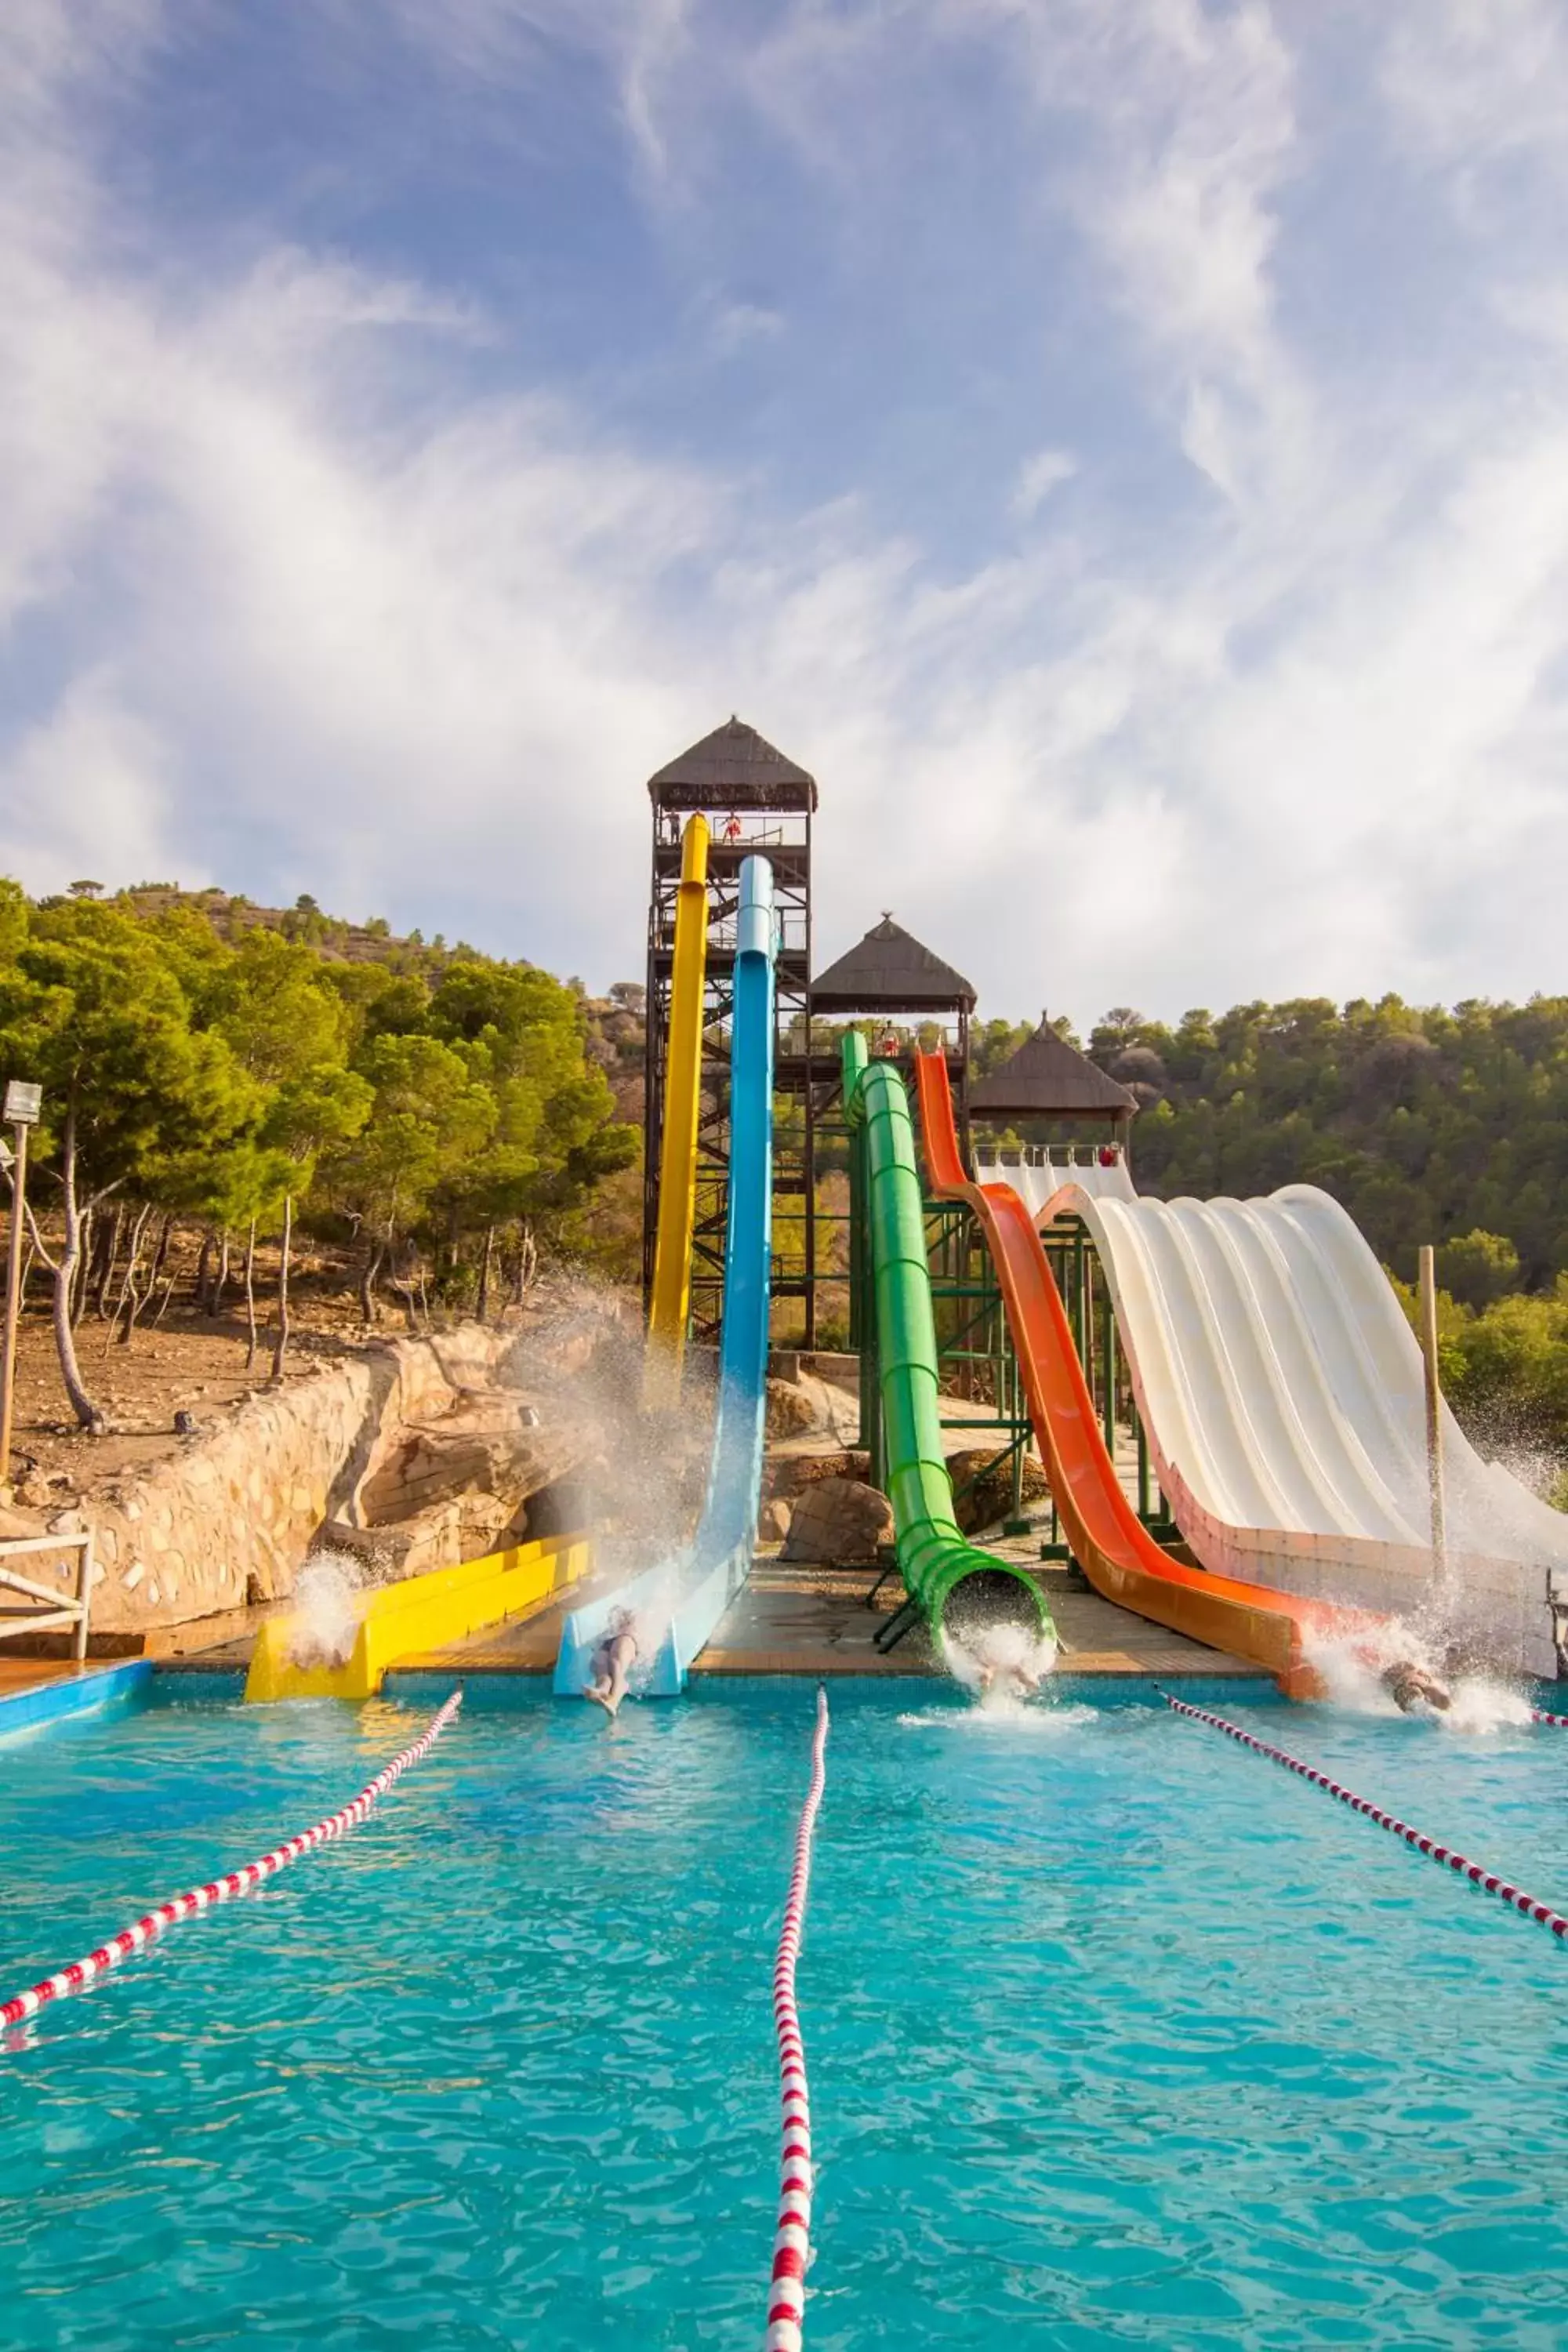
<point x="13" y="1300"/>
<point x="1434" y="1413"/>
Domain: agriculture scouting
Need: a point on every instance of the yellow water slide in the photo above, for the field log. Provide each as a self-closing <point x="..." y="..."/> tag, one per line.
<point x="395" y="1621"/>
<point x="678" y="1160"/>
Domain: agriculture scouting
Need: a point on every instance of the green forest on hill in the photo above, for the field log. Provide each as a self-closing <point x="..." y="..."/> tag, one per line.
<point x="436" y="1112"/>
<point x="442" y="1115"/>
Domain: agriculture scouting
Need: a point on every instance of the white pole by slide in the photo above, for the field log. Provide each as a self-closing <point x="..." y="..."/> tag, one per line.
<point x="1434" y="1413"/>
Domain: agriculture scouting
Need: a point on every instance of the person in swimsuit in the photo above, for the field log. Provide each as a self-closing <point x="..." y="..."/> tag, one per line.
<point x="1410" y="1686"/>
<point x="612" y="1663"/>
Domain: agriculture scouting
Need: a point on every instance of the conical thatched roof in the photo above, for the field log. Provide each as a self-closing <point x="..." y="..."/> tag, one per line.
<point x="1048" y="1078"/>
<point x="890" y="972"/>
<point x="733" y="768"/>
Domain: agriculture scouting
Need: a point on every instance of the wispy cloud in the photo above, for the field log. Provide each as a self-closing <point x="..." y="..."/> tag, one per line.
<point x="1037" y="477"/>
<point x="313" y="578"/>
<point x="1476" y="82"/>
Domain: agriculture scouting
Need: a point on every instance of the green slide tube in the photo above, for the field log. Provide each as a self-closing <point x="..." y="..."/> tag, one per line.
<point x="950" y="1580"/>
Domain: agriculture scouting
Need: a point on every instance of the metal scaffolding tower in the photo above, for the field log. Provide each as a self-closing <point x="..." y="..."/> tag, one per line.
<point x="756" y="801"/>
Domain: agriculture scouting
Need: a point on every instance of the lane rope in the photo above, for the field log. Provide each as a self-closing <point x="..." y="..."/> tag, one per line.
<point x="1539" y="1715"/>
<point x="1514" y="1896"/>
<point x="147" y="1929"/>
<point x="792" y="2242"/>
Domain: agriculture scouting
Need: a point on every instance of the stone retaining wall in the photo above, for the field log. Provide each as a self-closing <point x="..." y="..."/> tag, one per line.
<point x="231" y="1518"/>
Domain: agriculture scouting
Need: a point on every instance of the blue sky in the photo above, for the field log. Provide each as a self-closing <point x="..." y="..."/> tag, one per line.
<point x="1120" y="446"/>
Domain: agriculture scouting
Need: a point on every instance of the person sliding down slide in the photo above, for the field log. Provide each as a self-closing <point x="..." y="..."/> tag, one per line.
<point x="1000" y="1664"/>
<point x="612" y="1663"/>
<point x="1012" y="1679"/>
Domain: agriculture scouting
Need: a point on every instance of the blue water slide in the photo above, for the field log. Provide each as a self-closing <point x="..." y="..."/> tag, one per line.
<point x="687" y="1598"/>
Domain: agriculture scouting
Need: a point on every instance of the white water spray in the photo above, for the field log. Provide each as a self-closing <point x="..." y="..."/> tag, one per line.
<point x="1355" y="1667"/>
<point x="1002" y="1665"/>
<point x="326" y="1609"/>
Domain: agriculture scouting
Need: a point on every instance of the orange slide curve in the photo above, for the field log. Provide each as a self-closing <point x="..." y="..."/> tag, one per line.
<point x="1109" y="1541"/>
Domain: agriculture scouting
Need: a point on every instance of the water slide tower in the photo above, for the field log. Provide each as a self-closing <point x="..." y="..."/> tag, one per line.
<point x="756" y="800"/>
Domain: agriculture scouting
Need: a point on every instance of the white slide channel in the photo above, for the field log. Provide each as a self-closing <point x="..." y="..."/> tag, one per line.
<point x="1281" y="1389"/>
<point x="1037" y="1177"/>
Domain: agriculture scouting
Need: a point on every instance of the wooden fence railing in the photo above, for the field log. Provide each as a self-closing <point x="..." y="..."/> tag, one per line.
<point x="56" y="1610"/>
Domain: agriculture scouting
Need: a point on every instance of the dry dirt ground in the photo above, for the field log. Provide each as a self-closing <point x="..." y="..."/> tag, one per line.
<point x="189" y="1363"/>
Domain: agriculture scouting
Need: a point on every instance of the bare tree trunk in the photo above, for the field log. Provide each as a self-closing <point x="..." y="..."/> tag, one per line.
<point x="130" y="1297"/>
<point x="204" y="1268"/>
<point x="159" y="1255"/>
<point x="280" y="1346"/>
<point x="527" y="1262"/>
<point x="215" y="1303"/>
<point x="403" y="1284"/>
<point x="250" y="1295"/>
<point x="79" y="1273"/>
<point x="481" y="1305"/>
<point x="82" y="1405"/>
<point x="368" y="1282"/>
<point x="107" y="1257"/>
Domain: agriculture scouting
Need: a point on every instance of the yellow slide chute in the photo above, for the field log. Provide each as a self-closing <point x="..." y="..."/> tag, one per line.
<point x="423" y="1613"/>
<point x="671" y="1297"/>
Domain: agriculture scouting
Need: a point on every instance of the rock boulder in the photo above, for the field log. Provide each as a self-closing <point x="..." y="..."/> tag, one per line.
<point x="838" y="1522"/>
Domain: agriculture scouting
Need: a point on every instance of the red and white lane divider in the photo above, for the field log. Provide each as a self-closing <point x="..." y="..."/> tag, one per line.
<point x="792" y="2244"/>
<point x="1539" y="1715"/>
<point x="146" y="1930"/>
<point x="1514" y="1896"/>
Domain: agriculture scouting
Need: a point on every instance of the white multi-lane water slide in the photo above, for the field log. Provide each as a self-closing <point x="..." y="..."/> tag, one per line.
<point x="1282" y="1391"/>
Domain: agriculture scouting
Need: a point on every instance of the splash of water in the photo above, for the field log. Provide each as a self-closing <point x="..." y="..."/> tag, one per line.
<point x="640" y="1475"/>
<point x="1354" y="1670"/>
<point x="326" y="1609"/>
<point x="1002" y="1665"/>
<point x="1481" y="1707"/>
<point x="1011" y="1717"/>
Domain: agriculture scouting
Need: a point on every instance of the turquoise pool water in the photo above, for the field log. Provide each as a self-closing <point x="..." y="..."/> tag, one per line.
<point x="1117" y="2035"/>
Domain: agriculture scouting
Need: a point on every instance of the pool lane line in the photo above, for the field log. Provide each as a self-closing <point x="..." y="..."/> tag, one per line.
<point x="1539" y="1715"/>
<point x="147" y="1929"/>
<point x="1514" y="1896"/>
<point x="792" y="2241"/>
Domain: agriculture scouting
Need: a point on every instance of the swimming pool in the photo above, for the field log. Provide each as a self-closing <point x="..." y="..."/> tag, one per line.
<point x="1117" y="2035"/>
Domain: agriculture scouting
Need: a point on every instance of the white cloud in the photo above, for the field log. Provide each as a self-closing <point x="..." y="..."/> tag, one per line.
<point x="87" y="792"/>
<point x="1475" y="81"/>
<point x="1038" y="478"/>
<point x="737" y="325"/>
<point x="331" y="620"/>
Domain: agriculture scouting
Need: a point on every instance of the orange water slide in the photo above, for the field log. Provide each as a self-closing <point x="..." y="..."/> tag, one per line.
<point x="1109" y="1540"/>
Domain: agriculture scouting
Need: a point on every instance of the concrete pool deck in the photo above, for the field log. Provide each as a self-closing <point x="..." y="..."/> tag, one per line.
<point x="793" y="1617"/>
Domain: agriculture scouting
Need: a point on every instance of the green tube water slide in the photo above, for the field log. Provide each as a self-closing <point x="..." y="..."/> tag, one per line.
<point x="948" y="1581"/>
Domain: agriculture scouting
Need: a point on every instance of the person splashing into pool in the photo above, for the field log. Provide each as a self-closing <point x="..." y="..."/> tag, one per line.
<point x="1412" y="1687"/>
<point x="1002" y="1665"/>
<point x="612" y="1663"/>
